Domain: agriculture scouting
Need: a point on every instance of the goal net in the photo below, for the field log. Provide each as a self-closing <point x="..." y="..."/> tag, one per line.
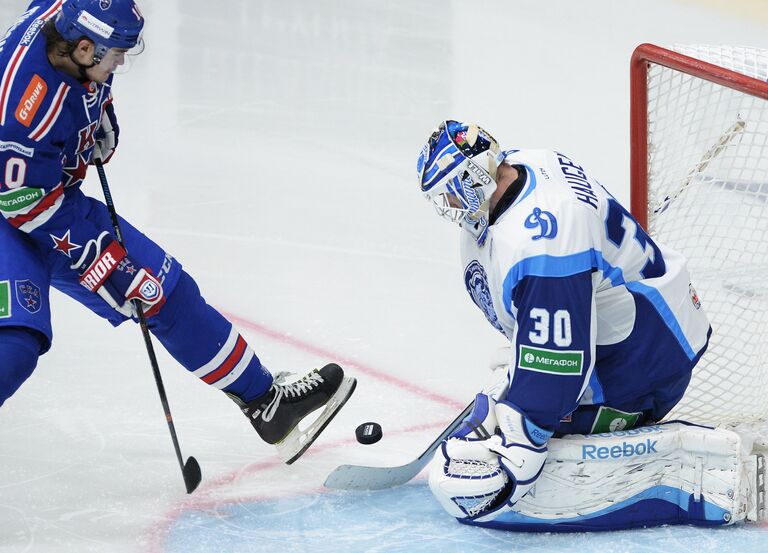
<point x="700" y="186"/>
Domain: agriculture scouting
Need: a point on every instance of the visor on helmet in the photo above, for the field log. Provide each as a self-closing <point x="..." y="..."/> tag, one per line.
<point x="109" y="24"/>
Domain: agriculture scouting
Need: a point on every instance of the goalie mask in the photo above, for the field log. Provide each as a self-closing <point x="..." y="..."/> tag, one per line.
<point x="457" y="173"/>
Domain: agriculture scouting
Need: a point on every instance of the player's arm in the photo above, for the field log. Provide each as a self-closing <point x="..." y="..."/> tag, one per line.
<point x="554" y="339"/>
<point x="554" y="348"/>
<point x="32" y="193"/>
<point x="554" y="351"/>
<point x="33" y="200"/>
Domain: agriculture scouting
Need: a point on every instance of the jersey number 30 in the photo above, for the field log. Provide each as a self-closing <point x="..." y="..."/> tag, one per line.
<point x="558" y="324"/>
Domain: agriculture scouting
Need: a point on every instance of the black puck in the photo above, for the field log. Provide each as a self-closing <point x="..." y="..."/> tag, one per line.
<point x="368" y="433"/>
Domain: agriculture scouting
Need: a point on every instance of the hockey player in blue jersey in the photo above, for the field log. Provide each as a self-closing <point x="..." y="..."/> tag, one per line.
<point x="56" y="114"/>
<point x="605" y="329"/>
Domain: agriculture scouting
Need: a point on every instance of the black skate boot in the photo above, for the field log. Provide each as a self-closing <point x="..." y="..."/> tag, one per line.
<point x="276" y="414"/>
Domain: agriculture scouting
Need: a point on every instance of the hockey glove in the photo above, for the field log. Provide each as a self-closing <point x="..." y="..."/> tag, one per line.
<point x="522" y="449"/>
<point x="106" y="135"/>
<point x="106" y="269"/>
<point x="481" y="479"/>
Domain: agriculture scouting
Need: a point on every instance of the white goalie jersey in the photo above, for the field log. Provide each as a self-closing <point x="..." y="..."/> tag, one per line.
<point x="596" y="312"/>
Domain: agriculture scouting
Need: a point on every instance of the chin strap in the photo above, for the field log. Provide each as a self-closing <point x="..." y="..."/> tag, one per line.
<point x="95" y="60"/>
<point x="81" y="69"/>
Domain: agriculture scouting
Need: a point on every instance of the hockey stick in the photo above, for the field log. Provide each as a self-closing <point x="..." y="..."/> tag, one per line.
<point x="191" y="469"/>
<point x="355" y="477"/>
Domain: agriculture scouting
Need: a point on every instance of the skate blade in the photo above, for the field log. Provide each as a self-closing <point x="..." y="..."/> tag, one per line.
<point x="298" y="441"/>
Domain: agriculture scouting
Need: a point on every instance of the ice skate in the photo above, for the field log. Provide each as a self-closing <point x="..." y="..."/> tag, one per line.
<point x="276" y="414"/>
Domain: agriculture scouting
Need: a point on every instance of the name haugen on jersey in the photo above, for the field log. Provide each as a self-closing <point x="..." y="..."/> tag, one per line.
<point x="577" y="179"/>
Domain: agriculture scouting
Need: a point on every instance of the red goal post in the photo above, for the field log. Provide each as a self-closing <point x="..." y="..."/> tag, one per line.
<point x="699" y="184"/>
<point x="642" y="58"/>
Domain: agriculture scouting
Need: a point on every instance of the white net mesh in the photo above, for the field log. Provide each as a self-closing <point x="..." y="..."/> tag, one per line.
<point x="473" y="468"/>
<point x="708" y="198"/>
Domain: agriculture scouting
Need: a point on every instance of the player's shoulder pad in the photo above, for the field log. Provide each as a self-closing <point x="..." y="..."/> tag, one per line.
<point x="544" y="222"/>
<point x="35" y="105"/>
<point x="543" y="239"/>
<point x="32" y="94"/>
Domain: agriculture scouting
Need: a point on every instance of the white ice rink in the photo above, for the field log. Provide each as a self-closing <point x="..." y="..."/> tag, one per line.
<point x="270" y="146"/>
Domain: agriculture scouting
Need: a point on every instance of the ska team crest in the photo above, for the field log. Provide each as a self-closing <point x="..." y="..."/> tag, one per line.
<point x="476" y="282"/>
<point x="28" y="295"/>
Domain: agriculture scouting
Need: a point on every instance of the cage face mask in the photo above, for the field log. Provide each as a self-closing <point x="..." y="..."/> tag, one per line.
<point x="457" y="173"/>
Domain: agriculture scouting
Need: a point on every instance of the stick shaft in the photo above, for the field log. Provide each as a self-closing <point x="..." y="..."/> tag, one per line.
<point x="357" y="477"/>
<point x="147" y="338"/>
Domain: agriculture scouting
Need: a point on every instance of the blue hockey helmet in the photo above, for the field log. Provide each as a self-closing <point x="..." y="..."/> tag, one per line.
<point x="107" y="23"/>
<point x="457" y="173"/>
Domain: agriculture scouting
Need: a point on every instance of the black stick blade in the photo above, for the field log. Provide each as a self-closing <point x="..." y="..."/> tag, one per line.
<point x="192" y="474"/>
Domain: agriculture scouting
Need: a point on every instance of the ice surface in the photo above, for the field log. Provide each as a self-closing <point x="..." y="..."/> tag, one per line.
<point x="270" y="146"/>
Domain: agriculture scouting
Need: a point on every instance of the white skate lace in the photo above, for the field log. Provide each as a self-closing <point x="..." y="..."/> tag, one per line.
<point x="293" y="389"/>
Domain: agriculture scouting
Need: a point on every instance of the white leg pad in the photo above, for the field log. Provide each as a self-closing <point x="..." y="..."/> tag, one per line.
<point x="704" y="471"/>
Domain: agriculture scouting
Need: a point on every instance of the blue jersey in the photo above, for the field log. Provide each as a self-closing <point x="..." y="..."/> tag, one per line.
<point x="47" y="125"/>
<point x="597" y="313"/>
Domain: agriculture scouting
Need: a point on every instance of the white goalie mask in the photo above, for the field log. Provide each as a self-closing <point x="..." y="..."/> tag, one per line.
<point x="457" y="173"/>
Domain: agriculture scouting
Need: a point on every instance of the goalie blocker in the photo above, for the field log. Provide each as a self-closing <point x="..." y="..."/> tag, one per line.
<point x="673" y="473"/>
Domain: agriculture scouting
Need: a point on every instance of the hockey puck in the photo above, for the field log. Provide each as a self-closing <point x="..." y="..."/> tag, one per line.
<point x="368" y="433"/>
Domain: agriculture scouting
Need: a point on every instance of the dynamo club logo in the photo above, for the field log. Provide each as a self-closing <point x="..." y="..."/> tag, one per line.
<point x="476" y="282"/>
<point x="28" y="295"/>
<point x="105" y="4"/>
<point x="544" y="222"/>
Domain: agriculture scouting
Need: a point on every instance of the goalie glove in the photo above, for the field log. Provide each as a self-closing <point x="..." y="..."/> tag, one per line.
<point x="106" y="269"/>
<point x="522" y="449"/>
<point x="481" y="479"/>
<point x="107" y="135"/>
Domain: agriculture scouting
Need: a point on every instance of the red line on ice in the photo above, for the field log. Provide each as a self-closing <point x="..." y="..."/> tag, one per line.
<point x="202" y="500"/>
<point x="344" y="361"/>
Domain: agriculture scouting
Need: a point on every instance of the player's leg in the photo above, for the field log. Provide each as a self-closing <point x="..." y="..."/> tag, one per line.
<point x="25" y="317"/>
<point x="207" y="345"/>
<point x="648" y="373"/>
<point x="20" y="349"/>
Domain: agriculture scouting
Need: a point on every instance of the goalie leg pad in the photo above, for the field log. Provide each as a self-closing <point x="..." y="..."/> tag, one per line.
<point x="664" y="474"/>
